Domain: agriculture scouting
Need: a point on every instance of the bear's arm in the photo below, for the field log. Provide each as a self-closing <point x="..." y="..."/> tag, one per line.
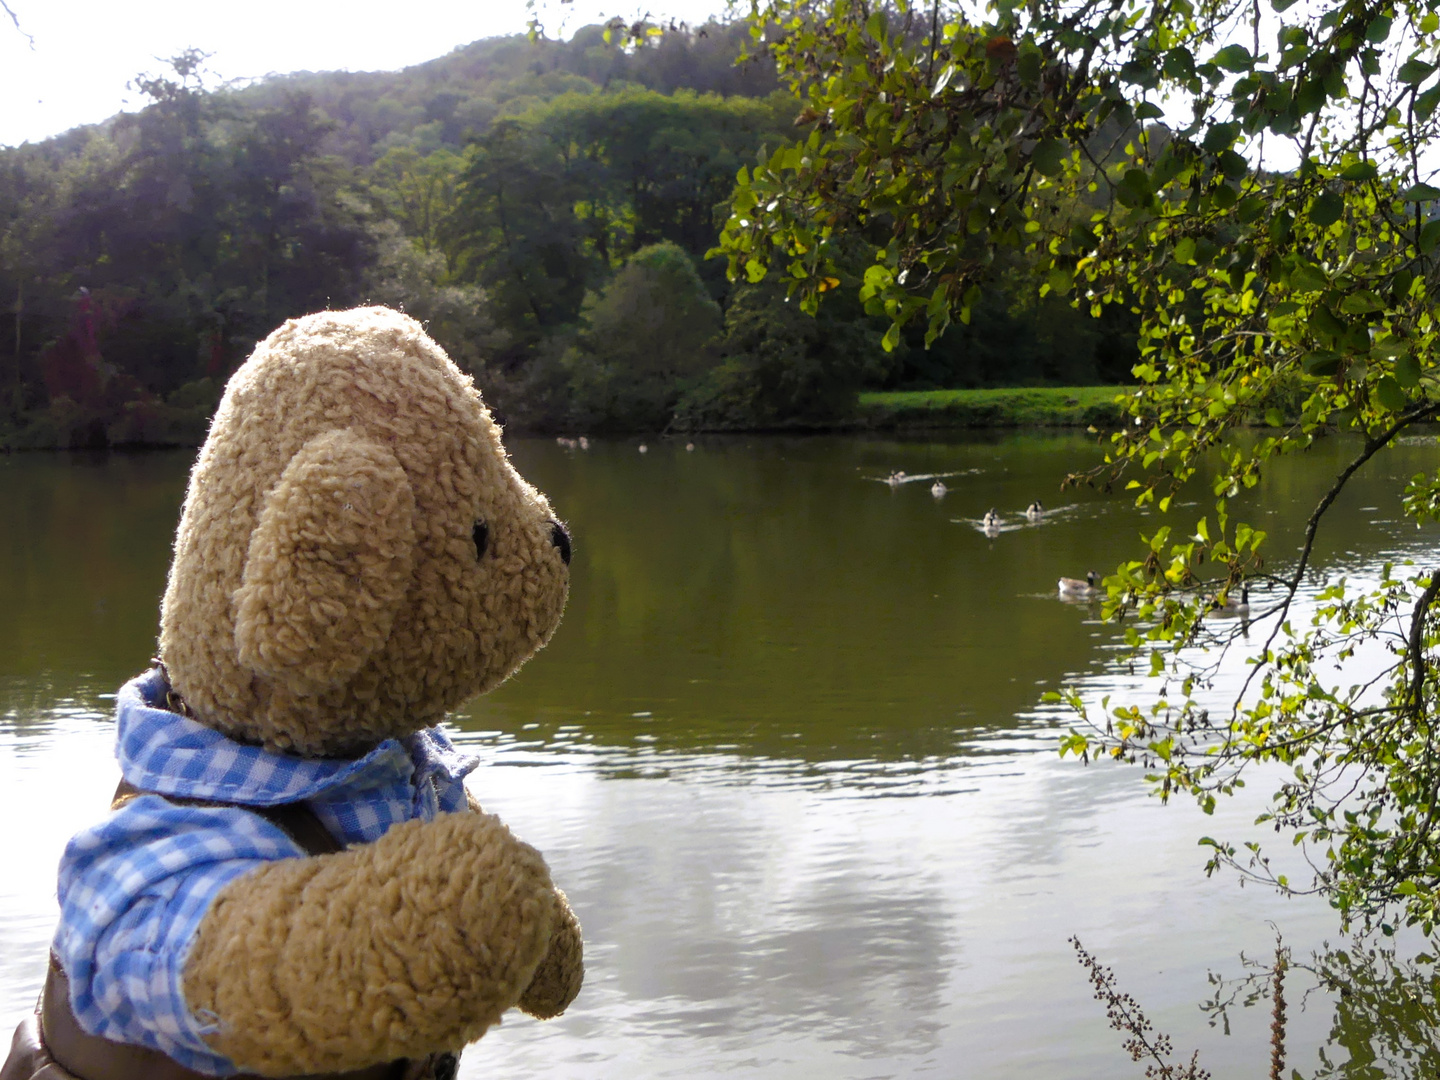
<point x="560" y="975"/>
<point x="412" y="944"/>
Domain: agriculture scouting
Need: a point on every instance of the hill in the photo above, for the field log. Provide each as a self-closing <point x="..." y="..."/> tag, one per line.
<point x="545" y="208"/>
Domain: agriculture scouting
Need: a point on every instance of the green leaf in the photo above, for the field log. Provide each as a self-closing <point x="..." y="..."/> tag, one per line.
<point x="1179" y="64"/>
<point x="1414" y="71"/>
<point x="1407" y="371"/>
<point x="1326" y="209"/>
<point x="1046" y="157"/>
<point x="1320" y="364"/>
<point x="1325" y="326"/>
<point x="1220" y="137"/>
<point x="1360" y="170"/>
<point x="1028" y="65"/>
<point x="891" y="338"/>
<point x="1379" y="29"/>
<point x="1060" y="280"/>
<point x="1185" y="250"/>
<point x="1308" y="278"/>
<point x="1420" y="193"/>
<point x="1426" y="102"/>
<point x="1389" y="394"/>
<point x="1233" y="165"/>
<point x="1234" y="58"/>
<point x="1361" y="303"/>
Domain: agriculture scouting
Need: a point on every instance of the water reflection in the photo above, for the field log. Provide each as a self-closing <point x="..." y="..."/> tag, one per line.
<point x="784" y="753"/>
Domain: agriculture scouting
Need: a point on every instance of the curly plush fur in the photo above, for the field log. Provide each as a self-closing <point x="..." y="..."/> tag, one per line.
<point x="325" y="592"/>
<point x="357" y="556"/>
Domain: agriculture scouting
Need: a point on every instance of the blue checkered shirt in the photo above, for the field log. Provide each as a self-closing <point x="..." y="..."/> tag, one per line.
<point x="134" y="888"/>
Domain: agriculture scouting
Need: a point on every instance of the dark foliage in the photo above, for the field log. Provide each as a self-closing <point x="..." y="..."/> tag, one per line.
<point x="504" y="194"/>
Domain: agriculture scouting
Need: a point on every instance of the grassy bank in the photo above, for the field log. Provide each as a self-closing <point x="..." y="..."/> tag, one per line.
<point x="1033" y="406"/>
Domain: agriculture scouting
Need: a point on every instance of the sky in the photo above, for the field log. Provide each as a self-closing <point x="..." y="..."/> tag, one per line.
<point x="85" y="51"/>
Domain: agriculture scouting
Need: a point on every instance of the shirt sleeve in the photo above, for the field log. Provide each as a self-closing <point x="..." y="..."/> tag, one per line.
<point x="132" y="892"/>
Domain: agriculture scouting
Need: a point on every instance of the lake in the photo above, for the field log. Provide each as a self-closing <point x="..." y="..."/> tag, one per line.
<point x="785" y="753"/>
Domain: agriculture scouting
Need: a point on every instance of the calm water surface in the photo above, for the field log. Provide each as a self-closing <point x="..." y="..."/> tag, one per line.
<point x="784" y="754"/>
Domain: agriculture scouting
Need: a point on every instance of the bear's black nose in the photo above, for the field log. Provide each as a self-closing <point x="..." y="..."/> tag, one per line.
<point x="561" y="539"/>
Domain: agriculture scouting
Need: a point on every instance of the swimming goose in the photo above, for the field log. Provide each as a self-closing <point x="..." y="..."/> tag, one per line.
<point x="991" y="521"/>
<point x="1080" y="587"/>
<point x="938" y="489"/>
<point x="1230" y="607"/>
<point x="1035" y="511"/>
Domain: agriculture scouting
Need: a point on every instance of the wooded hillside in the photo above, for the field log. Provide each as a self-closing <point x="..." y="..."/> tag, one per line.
<point x="544" y="207"/>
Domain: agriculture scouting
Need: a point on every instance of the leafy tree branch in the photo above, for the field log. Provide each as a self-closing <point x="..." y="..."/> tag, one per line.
<point x="1255" y="186"/>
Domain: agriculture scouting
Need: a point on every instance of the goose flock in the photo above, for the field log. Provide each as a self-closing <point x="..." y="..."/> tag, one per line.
<point x="1087" y="588"/>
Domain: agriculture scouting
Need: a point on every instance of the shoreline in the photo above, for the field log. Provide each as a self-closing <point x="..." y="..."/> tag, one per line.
<point x="889" y="411"/>
<point x="1007" y="407"/>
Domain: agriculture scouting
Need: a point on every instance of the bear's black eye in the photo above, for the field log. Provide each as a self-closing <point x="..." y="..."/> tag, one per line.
<point x="482" y="537"/>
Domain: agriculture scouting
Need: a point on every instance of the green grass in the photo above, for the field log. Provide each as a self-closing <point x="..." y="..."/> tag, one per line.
<point x="1050" y="406"/>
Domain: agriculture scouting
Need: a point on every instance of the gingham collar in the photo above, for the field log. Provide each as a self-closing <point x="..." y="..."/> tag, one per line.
<point x="169" y="754"/>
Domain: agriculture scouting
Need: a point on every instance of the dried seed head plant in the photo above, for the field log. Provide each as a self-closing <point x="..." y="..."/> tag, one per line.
<point x="1125" y="1015"/>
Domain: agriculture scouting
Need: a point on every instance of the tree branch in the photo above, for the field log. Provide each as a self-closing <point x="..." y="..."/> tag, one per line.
<point x="18" y="28"/>
<point x="1416" y="650"/>
<point x="1373" y="445"/>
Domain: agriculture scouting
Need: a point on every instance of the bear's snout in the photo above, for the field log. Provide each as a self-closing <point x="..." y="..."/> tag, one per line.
<point x="561" y="539"/>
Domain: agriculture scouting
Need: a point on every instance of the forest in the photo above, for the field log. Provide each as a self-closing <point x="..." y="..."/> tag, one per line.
<point x="547" y="208"/>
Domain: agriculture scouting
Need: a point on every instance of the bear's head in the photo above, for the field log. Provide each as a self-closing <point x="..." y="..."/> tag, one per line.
<point x="356" y="555"/>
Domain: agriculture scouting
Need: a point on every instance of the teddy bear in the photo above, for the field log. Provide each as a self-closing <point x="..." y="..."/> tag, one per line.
<point x="295" y="881"/>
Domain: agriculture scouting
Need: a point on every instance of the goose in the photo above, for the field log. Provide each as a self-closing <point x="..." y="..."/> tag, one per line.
<point x="1080" y="587"/>
<point x="1035" y="511"/>
<point x="644" y="449"/>
<point x="938" y="489"/>
<point x="895" y="479"/>
<point x="584" y="443"/>
<point x="1230" y="607"/>
<point x="990" y="523"/>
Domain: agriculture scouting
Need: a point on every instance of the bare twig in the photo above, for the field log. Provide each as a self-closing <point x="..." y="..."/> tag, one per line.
<point x="16" y="20"/>
<point x="1373" y="445"/>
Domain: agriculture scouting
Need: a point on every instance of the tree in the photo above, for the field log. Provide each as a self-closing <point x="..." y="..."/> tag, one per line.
<point x="646" y="338"/>
<point x="1276" y="236"/>
<point x="516" y="234"/>
<point x="417" y="192"/>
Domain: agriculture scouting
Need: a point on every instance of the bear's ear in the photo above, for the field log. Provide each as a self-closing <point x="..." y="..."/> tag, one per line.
<point x="329" y="563"/>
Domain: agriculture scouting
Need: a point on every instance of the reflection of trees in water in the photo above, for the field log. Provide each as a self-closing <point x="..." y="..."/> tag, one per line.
<point x="1387" y="1016"/>
<point x="1386" y="1024"/>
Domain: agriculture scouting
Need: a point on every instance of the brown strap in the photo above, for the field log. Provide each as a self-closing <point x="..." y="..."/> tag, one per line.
<point x="91" y="1057"/>
<point x="296" y="820"/>
<point x="29" y="1060"/>
<point x="94" y="1058"/>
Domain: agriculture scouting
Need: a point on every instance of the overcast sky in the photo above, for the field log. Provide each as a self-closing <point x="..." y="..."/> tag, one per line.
<point x="86" y="50"/>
